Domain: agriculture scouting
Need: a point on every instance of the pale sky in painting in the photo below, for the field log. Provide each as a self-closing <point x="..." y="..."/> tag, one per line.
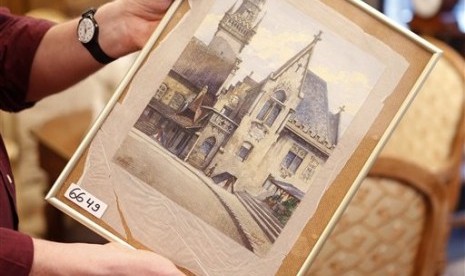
<point x="284" y="31"/>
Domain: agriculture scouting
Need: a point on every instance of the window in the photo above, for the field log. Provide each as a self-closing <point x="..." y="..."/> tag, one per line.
<point x="177" y="101"/>
<point x="207" y="146"/>
<point x="280" y="96"/>
<point x="274" y="113"/>
<point x="265" y="110"/>
<point x="161" y="91"/>
<point x="272" y="108"/>
<point x="226" y="111"/>
<point x="244" y="151"/>
<point x="293" y="159"/>
<point x="153" y="117"/>
<point x="310" y="169"/>
<point x="291" y="162"/>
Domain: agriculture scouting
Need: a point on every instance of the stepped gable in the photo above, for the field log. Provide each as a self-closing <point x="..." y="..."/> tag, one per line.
<point x="249" y="98"/>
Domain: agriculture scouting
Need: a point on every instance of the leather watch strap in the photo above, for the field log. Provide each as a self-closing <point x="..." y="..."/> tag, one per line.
<point x="93" y="45"/>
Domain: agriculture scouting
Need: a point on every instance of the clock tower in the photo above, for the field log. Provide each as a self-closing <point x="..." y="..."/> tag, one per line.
<point x="237" y="28"/>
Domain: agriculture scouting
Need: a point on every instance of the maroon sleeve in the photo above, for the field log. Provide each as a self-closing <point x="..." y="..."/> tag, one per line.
<point x="16" y="253"/>
<point x="19" y="38"/>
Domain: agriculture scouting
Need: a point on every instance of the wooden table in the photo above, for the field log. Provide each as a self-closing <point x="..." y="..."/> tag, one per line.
<point x="57" y="140"/>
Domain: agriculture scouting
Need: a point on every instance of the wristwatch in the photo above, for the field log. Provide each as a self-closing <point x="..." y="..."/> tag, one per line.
<point x="87" y="33"/>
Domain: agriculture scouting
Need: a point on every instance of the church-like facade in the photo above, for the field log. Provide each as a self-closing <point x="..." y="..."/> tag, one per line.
<point x="267" y="137"/>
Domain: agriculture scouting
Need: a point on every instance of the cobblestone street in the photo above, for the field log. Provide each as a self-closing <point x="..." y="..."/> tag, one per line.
<point x="192" y="190"/>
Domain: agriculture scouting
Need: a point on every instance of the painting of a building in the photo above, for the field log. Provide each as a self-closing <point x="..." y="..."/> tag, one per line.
<point x="257" y="138"/>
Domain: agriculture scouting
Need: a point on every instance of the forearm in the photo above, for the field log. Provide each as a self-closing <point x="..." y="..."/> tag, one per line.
<point x="61" y="60"/>
<point x="51" y="258"/>
<point x="68" y="259"/>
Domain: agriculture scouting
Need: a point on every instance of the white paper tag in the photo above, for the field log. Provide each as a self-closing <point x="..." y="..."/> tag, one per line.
<point x="85" y="200"/>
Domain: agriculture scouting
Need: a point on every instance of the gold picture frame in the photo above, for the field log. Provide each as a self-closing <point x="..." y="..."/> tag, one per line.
<point x="242" y="131"/>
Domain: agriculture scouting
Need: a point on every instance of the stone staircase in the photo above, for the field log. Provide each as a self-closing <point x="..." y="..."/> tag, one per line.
<point x="262" y="215"/>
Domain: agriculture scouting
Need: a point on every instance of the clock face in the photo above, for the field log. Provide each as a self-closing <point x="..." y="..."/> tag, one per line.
<point x="426" y="8"/>
<point x="86" y="30"/>
<point x="233" y="100"/>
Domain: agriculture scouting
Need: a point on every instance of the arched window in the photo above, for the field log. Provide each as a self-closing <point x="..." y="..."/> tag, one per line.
<point x="280" y="96"/>
<point x="177" y="101"/>
<point x="274" y="113"/>
<point x="244" y="151"/>
<point x="207" y="146"/>
<point x="265" y="110"/>
<point x="161" y="91"/>
<point x="272" y="108"/>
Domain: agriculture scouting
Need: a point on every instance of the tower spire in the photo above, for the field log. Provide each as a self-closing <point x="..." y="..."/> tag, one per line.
<point x="231" y="9"/>
<point x="237" y="28"/>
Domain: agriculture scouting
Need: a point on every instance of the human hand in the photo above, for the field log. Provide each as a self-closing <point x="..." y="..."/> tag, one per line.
<point x="124" y="27"/>
<point x="143" y="16"/>
<point x="131" y="22"/>
<point x="139" y="262"/>
<point x="51" y="258"/>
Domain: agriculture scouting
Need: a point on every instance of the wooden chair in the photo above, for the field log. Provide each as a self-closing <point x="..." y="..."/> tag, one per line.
<point x="398" y="222"/>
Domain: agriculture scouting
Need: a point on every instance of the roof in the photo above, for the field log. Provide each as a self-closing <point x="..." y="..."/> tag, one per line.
<point x="202" y="67"/>
<point x="289" y="188"/>
<point x="313" y="111"/>
<point x="181" y="119"/>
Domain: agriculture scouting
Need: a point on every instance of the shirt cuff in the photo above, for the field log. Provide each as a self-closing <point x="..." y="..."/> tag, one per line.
<point x="16" y="252"/>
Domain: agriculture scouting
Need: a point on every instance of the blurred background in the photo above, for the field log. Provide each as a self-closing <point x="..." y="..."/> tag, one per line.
<point x="429" y="240"/>
<point x="41" y="140"/>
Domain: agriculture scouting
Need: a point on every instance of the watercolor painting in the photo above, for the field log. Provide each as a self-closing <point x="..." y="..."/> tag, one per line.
<point x="250" y="112"/>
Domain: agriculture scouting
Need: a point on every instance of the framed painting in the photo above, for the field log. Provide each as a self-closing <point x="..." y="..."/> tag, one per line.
<point x="242" y="131"/>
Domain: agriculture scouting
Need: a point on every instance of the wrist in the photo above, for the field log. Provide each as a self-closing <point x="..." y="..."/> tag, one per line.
<point x="113" y="32"/>
<point x="52" y="258"/>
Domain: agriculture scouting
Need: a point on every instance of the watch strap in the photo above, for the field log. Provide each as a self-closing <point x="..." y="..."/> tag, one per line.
<point x="96" y="51"/>
<point x="93" y="45"/>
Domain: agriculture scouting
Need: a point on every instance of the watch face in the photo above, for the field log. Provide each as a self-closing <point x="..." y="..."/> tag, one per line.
<point x="426" y="8"/>
<point x="86" y="30"/>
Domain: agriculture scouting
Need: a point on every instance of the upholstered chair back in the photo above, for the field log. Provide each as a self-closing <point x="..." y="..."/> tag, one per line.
<point x="397" y="223"/>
